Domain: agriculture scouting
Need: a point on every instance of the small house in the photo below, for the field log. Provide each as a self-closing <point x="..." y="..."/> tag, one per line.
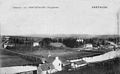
<point x="35" y="44"/>
<point x="88" y="45"/>
<point x="53" y="67"/>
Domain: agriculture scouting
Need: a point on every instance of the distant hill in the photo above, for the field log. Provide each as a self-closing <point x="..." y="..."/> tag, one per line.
<point x="64" y="35"/>
<point x="75" y="36"/>
<point x="69" y="35"/>
<point x="107" y="36"/>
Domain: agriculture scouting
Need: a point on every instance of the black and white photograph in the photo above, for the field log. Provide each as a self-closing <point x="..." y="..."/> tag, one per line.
<point x="59" y="36"/>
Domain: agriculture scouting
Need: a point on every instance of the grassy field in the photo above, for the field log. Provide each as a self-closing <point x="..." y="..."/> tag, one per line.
<point x="7" y="59"/>
<point x="63" y="53"/>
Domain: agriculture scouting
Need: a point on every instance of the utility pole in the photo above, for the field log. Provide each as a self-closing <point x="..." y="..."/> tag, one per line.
<point x="0" y="30"/>
<point x="0" y="33"/>
<point x="118" y="21"/>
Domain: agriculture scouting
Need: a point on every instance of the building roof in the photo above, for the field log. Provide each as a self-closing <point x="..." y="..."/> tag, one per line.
<point x="46" y="66"/>
<point x="81" y="62"/>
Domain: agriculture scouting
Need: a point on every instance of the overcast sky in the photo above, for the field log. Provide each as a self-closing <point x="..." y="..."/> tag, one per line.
<point x="67" y="17"/>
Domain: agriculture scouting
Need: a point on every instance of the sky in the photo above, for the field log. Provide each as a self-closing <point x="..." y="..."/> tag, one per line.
<point x="25" y="17"/>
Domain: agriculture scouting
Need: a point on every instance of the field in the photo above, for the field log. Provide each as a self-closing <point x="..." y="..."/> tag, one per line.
<point x="49" y="55"/>
<point x="7" y="59"/>
<point x="106" y="67"/>
<point x="64" y="54"/>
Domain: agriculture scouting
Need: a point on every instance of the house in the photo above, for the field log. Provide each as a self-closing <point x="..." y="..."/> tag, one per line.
<point x="35" y="44"/>
<point x="57" y="64"/>
<point x="88" y="46"/>
<point x="79" y="40"/>
<point x="53" y="67"/>
<point x="77" y="63"/>
<point x="45" y="68"/>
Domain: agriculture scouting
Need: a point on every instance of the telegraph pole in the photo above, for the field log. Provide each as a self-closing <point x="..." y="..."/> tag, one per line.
<point x="0" y="29"/>
<point x="0" y="34"/>
<point x="118" y="24"/>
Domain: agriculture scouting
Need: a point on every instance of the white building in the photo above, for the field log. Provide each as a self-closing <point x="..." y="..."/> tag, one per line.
<point x="88" y="45"/>
<point x="48" y="68"/>
<point x="35" y="44"/>
<point x="79" y="40"/>
<point x="57" y="63"/>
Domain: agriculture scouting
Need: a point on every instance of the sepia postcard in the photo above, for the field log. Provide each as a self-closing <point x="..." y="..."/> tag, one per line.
<point x="59" y="37"/>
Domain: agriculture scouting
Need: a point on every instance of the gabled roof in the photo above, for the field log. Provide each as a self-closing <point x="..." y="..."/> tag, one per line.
<point x="46" y="66"/>
<point x="81" y="62"/>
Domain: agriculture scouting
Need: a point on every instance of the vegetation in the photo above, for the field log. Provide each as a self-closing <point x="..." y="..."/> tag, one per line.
<point x="70" y="42"/>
